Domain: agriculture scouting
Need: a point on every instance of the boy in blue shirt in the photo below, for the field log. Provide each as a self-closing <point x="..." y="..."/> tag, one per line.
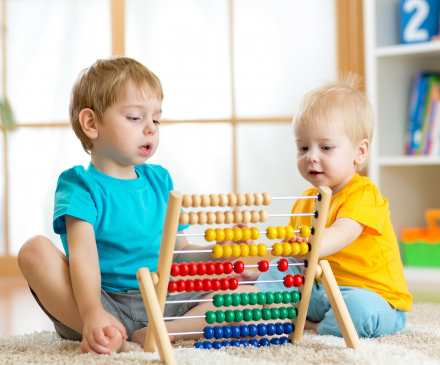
<point x="110" y="216"/>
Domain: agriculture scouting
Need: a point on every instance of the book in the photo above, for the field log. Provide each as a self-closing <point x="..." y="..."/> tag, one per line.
<point x="426" y="125"/>
<point x="434" y="144"/>
<point x="411" y="112"/>
<point x="418" y="114"/>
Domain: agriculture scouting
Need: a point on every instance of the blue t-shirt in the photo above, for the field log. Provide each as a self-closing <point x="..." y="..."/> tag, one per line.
<point x="127" y="216"/>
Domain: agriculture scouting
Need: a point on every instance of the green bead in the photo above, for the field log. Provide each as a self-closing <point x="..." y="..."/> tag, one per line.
<point x="275" y="313"/>
<point x="253" y="298"/>
<point x="247" y="315"/>
<point x="291" y="313"/>
<point x="286" y="297"/>
<point x="227" y="300"/>
<point x="257" y="314"/>
<point x="236" y="299"/>
<point x="295" y="296"/>
<point x="244" y="298"/>
<point x="261" y="298"/>
<point x="270" y="298"/>
<point x="283" y="312"/>
<point x="220" y="316"/>
<point x="238" y="315"/>
<point x="266" y="313"/>
<point x="210" y="317"/>
<point x="229" y="316"/>
<point x="278" y="297"/>
<point x="217" y="300"/>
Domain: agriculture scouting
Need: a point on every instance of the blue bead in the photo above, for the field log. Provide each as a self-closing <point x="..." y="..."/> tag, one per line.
<point x="236" y="343"/>
<point x="207" y="345"/>
<point x="253" y="330"/>
<point x="278" y="327"/>
<point x="288" y="328"/>
<point x="235" y="331"/>
<point x="227" y="332"/>
<point x="218" y="332"/>
<point x="275" y="341"/>
<point x="262" y="329"/>
<point x="245" y="343"/>
<point x="244" y="330"/>
<point x="199" y="345"/>
<point x="208" y="332"/>
<point x="264" y="342"/>
<point x="284" y="340"/>
<point x="217" y="345"/>
<point x="271" y="329"/>
<point x="226" y="343"/>
<point x="254" y="342"/>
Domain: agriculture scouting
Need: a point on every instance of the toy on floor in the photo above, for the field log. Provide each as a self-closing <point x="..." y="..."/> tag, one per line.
<point x="154" y="286"/>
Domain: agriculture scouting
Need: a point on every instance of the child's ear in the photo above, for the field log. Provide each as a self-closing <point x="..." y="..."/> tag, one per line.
<point x="362" y="152"/>
<point x="87" y="119"/>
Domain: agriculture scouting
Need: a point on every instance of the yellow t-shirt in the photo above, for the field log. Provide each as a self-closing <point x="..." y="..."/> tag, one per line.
<point x="372" y="261"/>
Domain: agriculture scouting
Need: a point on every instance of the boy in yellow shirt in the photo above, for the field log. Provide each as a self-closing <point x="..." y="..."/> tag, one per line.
<point x="333" y="127"/>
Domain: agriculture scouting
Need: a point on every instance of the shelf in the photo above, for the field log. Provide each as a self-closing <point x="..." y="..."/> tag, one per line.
<point x="417" y="49"/>
<point x="409" y="160"/>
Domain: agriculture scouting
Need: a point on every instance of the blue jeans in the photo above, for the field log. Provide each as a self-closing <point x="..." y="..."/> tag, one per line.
<point x="371" y="314"/>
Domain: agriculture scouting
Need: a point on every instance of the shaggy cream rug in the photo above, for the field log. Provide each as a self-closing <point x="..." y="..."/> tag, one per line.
<point x="418" y="343"/>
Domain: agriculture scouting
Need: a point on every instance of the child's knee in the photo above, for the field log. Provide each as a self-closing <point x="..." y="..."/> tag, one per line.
<point x="32" y="251"/>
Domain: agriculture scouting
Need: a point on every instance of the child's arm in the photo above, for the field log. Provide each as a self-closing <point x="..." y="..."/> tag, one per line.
<point x="86" y="284"/>
<point x="182" y="244"/>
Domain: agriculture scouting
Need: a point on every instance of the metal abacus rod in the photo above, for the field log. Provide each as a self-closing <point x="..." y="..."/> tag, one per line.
<point x="203" y="234"/>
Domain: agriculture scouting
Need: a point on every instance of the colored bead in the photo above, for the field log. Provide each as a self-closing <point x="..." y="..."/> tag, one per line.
<point x="219" y="316"/>
<point x="304" y="248"/>
<point x="184" y="219"/>
<point x="229" y="217"/>
<point x="238" y="315"/>
<point x="298" y="280"/>
<point x="236" y="251"/>
<point x="210" y="235"/>
<point x="267" y="199"/>
<point x="278" y="297"/>
<point x="217" y="345"/>
<point x="262" y="250"/>
<point x="278" y="327"/>
<point x="204" y="200"/>
<point x="238" y="234"/>
<point x="271" y="232"/>
<point x="210" y="317"/>
<point x="304" y="231"/>
<point x="286" y="297"/>
<point x="236" y="299"/>
<point x="284" y="340"/>
<point x="229" y="316"/>
<point x="193" y="218"/>
<point x="198" y="345"/>
<point x="229" y="266"/>
<point x="218" y="332"/>
<point x="198" y="285"/>
<point x="246" y="233"/>
<point x="184" y="269"/>
<point x="275" y="341"/>
<point x="217" y="300"/>
<point x="292" y="312"/>
<point x="235" y="331"/>
<point x="196" y="200"/>
<point x="250" y="199"/>
<point x="181" y="285"/>
<point x="277" y="249"/>
<point x="227" y="251"/>
<point x="253" y="249"/>
<point x="207" y="345"/>
<point x="247" y="216"/>
<point x="227" y="332"/>
<point x="193" y="268"/>
<point x="203" y="218"/>
<point x="288" y="281"/>
<point x="255" y="216"/>
<point x="241" y="199"/>
<point x="275" y="313"/>
<point x="264" y="342"/>
<point x="222" y="200"/>
<point x="227" y="300"/>
<point x="232" y="200"/>
<point x="238" y="267"/>
<point x="220" y="218"/>
<point x="254" y="342"/>
<point x="175" y="269"/>
<point x="287" y="248"/>
<point x="233" y="283"/>
<point x="256" y="314"/>
<point x="186" y="201"/>
<point x="247" y="315"/>
<point x="253" y="299"/>
<point x="236" y="343"/>
<point x="244" y="298"/>
<point x="255" y="233"/>
<point x="216" y="284"/>
<point x="217" y="251"/>
<point x="283" y="312"/>
<point x="226" y="343"/>
<point x="281" y="232"/>
<point x="244" y="343"/>
<point x="263" y="265"/>
<point x="261" y="298"/>
<point x="201" y="268"/>
<point x="290" y="232"/>
<point x="208" y="332"/>
<point x="271" y="329"/>
<point x="219" y="268"/>
<point x="210" y="268"/>
<point x="238" y="216"/>
<point x="207" y="285"/>
<point x="172" y="286"/>
<point x="190" y="285"/>
<point x="270" y="297"/>
<point x="211" y="218"/>
<point x="283" y="264"/>
<point x="295" y="296"/>
<point x="253" y="330"/>
<point x="264" y="216"/>
<point x="266" y="313"/>
<point x="219" y="235"/>
<point x="262" y="329"/>
<point x="244" y="250"/>
<point x="295" y="248"/>
<point x="288" y="328"/>
<point x="258" y="199"/>
<point x="214" y="200"/>
<point x="244" y="330"/>
<point x="229" y="234"/>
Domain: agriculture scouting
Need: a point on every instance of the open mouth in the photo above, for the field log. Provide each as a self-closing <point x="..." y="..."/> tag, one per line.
<point x="315" y="174"/>
<point x="146" y="148"/>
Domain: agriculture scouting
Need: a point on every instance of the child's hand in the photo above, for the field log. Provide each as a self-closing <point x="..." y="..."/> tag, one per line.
<point x="298" y="239"/>
<point x="246" y="275"/>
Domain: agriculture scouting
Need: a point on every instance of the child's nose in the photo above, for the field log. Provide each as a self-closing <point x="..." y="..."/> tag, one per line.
<point x="150" y="128"/>
<point x="312" y="156"/>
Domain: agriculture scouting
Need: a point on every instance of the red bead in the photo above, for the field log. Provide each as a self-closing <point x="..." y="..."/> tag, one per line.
<point x="225" y="283"/>
<point x="216" y="284"/>
<point x="288" y="281"/>
<point x="207" y="285"/>
<point x="283" y="265"/>
<point x="184" y="269"/>
<point x="172" y="286"/>
<point x="238" y="267"/>
<point x="201" y="268"/>
<point x="210" y="268"/>
<point x="198" y="285"/>
<point x="175" y="269"/>
<point x="193" y="268"/>
<point x="233" y="283"/>
<point x="298" y="280"/>
<point x="219" y="268"/>
<point x="229" y="267"/>
<point x="190" y="285"/>
<point x="263" y="265"/>
<point x="181" y="286"/>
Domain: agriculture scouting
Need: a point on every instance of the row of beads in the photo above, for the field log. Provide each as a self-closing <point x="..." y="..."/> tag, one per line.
<point x="287" y="232"/>
<point x="237" y="216"/>
<point x="244" y="250"/>
<point x="245" y="343"/>
<point x="235" y="299"/>
<point x="223" y="200"/>
<point x="245" y="330"/>
<point x="247" y="314"/>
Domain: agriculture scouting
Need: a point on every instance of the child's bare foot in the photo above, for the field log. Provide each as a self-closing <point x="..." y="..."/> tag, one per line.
<point x="117" y="343"/>
<point x="139" y="336"/>
<point x="311" y="325"/>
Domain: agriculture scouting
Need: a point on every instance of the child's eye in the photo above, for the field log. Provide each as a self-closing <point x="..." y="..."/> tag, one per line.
<point x="156" y="122"/>
<point x="303" y="149"/>
<point x="134" y="119"/>
<point x="327" y="148"/>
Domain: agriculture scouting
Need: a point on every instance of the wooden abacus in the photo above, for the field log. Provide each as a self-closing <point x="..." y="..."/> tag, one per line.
<point x="154" y="286"/>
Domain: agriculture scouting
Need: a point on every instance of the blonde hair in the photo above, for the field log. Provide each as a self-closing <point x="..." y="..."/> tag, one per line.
<point x="99" y="86"/>
<point x="340" y="103"/>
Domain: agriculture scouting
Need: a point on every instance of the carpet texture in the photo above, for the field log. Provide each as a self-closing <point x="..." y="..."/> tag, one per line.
<point x="417" y="343"/>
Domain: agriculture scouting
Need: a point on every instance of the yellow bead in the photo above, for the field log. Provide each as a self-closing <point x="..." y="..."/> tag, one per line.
<point x="304" y="231"/>
<point x="227" y="251"/>
<point x="271" y="232"/>
<point x="295" y="248"/>
<point x="255" y="233"/>
<point x="253" y="249"/>
<point x="219" y="235"/>
<point x="281" y="232"/>
<point x="287" y="248"/>
<point x="229" y="234"/>
<point x="210" y="235"/>
<point x="262" y="250"/>
<point x="277" y="249"/>
<point x="304" y="248"/>
<point x="246" y="233"/>
<point x="289" y="232"/>
<point x="238" y="234"/>
<point x="244" y="250"/>
<point x="217" y="251"/>
<point x="236" y="250"/>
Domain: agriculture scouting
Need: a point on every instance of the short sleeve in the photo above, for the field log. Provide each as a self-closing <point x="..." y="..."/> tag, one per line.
<point x="72" y="197"/>
<point x="365" y="204"/>
<point x="171" y="187"/>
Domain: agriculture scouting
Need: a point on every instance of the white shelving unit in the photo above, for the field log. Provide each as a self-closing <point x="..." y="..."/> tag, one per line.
<point x="410" y="183"/>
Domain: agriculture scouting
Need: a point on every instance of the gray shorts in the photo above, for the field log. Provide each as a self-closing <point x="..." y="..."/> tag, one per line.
<point x="128" y="308"/>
